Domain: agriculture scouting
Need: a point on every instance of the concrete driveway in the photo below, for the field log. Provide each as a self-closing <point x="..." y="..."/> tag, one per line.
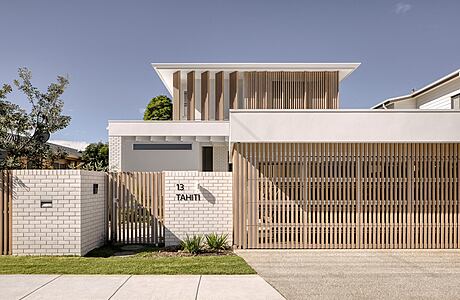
<point x="359" y="274"/>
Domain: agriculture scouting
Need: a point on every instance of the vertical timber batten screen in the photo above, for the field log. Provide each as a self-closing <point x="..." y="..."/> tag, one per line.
<point x="6" y="217"/>
<point x="136" y="207"/>
<point x="346" y="195"/>
<point x="291" y="90"/>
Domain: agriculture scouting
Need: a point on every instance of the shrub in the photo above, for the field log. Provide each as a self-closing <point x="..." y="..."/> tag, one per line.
<point x="193" y="245"/>
<point x="217" y="242"/>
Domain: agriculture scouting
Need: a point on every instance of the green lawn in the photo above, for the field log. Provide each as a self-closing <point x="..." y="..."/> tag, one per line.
<point x="145" y="262"/>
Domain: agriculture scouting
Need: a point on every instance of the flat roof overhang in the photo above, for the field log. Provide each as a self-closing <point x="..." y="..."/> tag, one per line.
<point x="340" y="126"/>
<point x="155" y="131"/>
<point x="166" y="70"/>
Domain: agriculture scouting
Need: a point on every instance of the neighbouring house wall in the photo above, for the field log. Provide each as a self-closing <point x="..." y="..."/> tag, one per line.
<point x="405" y="104"/>
<point x="93" y="211"/>
<point x="71" y="226"/>
<point x="212" y="213"/>
<point x="439" y="98"/>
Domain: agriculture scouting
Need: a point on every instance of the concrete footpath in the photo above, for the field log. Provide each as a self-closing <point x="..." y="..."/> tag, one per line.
<point x="136" y="287"/>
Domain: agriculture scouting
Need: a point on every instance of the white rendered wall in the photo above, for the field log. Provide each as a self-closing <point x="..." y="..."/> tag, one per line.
<point x="345" y="126"/>
<point x="72" y="226"/>
<point x="169" y="160"/>
<point x="211" y="214"/>
<point x="159" y="160"/>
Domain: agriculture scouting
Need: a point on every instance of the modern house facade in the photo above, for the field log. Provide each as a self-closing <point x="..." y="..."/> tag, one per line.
<point x="305" y="173"/>
<point x="203" y="96"/>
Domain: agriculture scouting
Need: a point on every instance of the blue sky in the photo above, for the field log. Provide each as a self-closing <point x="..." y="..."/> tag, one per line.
<point x="106" y="47"/>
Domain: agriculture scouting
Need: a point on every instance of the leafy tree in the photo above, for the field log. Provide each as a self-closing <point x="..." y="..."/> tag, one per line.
<point x="21" y="132"/>
<point x="159" y="108"/>
<point x="96" y="157"/>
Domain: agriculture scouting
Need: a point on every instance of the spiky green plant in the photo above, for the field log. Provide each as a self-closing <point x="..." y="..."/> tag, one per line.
<point x="217" y="242"/>
<point x="193" y="244"/>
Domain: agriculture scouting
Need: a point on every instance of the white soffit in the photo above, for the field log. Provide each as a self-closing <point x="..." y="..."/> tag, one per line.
<point x="166" y="70"/>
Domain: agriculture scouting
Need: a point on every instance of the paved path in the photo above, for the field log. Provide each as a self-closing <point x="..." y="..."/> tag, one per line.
<point x="359" y="274"/>
<point x="94" y="287"/>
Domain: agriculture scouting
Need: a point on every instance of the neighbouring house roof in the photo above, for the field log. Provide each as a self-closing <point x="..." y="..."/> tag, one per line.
<point x="70" y="152"/>
<point x="421" y="91"/>
<point x="165" y="70"/>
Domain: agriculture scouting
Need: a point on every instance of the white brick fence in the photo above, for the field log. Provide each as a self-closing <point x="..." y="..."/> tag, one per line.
<point x="65" y="212"/>
<point x="55" y="212"/>
<point x="197" y="203"/>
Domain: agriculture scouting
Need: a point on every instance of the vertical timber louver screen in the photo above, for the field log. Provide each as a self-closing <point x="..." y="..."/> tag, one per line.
<point x="291" y="90"/>
<point x="6" y="215"/>
<point x="136" y="207"/>
<point x="176" y="96"/>
<point x="346" y="195"/>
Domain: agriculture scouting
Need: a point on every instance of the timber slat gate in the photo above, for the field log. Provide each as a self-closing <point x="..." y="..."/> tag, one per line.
<point x="6" y="221"/>
<point x="346" y="195"/>
<point x="136" y="207"/>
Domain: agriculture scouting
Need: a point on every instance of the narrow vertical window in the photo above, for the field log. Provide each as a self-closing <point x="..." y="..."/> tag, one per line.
<point x="207" y="159"/>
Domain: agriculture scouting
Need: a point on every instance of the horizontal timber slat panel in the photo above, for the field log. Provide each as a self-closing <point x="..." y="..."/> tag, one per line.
<point x="346" y="195"/>
<point x="136" y="209"/>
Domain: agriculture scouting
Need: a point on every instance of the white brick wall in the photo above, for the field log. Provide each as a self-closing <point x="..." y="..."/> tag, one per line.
<point x="93" y="211"/>
<point x="213" y="213"/>
<point x="72" y="226"/>
<point x="114" y="153"/>
<point x="220" y="158"/>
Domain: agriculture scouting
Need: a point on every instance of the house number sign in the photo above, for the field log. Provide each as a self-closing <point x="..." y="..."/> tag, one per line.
<point x="182" y="196"/>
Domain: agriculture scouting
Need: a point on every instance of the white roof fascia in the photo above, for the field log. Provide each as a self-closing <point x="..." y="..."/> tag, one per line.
<point x="165" y="70"/>
<point x="168" y="128"/>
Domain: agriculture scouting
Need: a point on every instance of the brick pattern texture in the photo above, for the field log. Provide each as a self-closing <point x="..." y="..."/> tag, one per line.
<point x="220" y="158"/>
<point x="212" y="213"/>
<point x="114" y="153"/>
<point x="74" y="224"/>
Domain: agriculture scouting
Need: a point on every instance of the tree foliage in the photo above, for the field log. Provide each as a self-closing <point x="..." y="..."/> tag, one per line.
<point x="19" y="128"/>
<point x="96" y="157"/>
<point x="159" y="108"/>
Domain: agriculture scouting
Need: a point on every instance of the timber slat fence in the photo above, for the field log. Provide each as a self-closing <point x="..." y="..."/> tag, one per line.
<point x="346" y="195"/>
<point x="136" y="207"/>
<point x="6" y="221"/>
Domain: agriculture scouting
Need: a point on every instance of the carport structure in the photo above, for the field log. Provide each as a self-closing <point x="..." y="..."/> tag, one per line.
<point x="346" y="179"/>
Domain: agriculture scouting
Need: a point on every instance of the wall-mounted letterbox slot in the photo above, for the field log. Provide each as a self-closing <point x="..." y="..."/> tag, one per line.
<point x="46" y="204"/>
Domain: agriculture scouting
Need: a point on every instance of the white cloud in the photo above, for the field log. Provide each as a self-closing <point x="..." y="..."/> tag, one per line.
<point x="402" y="8"/>
<point x="79" y="145"/>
